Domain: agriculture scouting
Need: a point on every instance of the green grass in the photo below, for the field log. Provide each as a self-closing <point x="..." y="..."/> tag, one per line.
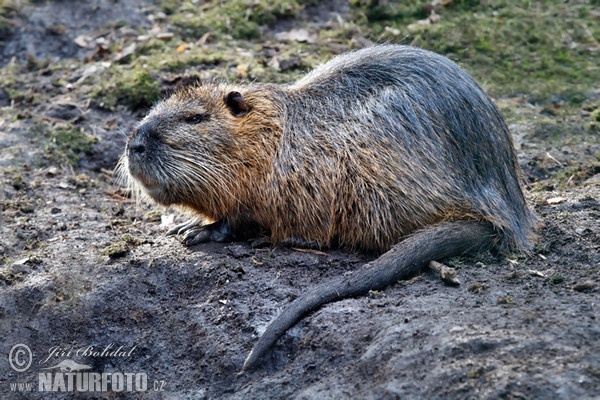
<point x="545" y="51"/>
<point x="133" y="87"/>
<point x="7" y="11"/>
<point x="241" y="19"/>
<point x="63" y="143"/>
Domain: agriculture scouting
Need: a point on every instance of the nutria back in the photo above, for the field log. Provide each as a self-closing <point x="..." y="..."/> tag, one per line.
<point x="395" y="139"/>
<point x="360" y="152"/>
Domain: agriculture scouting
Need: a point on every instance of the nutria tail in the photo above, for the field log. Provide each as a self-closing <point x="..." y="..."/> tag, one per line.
<point x="447" y="239"/>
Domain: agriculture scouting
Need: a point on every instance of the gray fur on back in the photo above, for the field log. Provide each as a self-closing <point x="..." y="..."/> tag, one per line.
<point x="434" y="143"/>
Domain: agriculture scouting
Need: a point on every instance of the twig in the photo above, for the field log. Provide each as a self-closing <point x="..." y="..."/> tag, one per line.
<point x="447" y="274"/>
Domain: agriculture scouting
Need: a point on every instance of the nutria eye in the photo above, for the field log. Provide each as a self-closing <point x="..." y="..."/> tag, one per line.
<point x="196" y="119"/>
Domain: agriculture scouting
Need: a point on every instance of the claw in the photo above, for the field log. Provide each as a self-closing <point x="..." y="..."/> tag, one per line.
<point x="196" y="222"/>
<point x="196" y="236"/>
<point x="195" y="231"/>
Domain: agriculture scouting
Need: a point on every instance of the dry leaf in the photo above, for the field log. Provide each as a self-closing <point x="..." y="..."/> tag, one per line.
<point x="556" y="200"/>
<point x="181" y="48"/>
<point x="166" y="36"/>
<point x="125" y="54"/>
<point x="83" y="41"/>
<point x="298" y="35"/>
<point x="242" y="71"/>
<point x="202" y="41"/>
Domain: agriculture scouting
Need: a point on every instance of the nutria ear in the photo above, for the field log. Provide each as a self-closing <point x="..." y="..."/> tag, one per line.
<point x="237" y="104"/>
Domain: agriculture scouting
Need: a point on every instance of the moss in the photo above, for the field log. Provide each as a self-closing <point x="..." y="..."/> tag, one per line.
<point x="10" y="277"/>
<point x="131" y="241"/>
<point x="17" y="182"/>
<point x="62" y="143"/>
<point x="26" y="207"/>
<point x="115" y="250"/>
<point x="134" y="88"/>
<point x="8" y="8"/>
<point x="69" y="142"/>
<point x="80" y="181"/>
<point x="122" y="247"/>
<point x="574" y="175"/>
<point x="33" y="64"/>
<point x="476" y="372"/>
<point x="374" y="11"/>
<point x="168" y="6"/>
<point x="595" y="115"/>
<point x="541" y="50"/>
<point x="238" y="18"/>
<point x="153" y="215"/>
<point x="195" y="58"/>
<point x="152" y="46"/>
<point x="505" y="300"/>
<point x="477" y="287"/>
<point x="18" y="91"/>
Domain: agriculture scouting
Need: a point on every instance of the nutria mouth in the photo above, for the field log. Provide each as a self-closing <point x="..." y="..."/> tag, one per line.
<point x="136" y="171"/>
<point x="143" y="179"/>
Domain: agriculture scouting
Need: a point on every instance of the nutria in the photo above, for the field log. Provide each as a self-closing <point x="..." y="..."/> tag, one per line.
<point x="389" y="147"/>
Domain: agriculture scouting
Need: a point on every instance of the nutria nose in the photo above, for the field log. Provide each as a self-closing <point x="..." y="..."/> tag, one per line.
<point x="139" y="141"/>
<point x="137" y="148"/>
<point x="136" y="145"/>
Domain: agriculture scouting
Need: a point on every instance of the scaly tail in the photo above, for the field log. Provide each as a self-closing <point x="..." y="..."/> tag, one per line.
<point x="447" y="239"/>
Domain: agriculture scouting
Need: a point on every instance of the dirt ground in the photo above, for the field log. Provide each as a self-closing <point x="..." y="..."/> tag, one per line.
<point x="83" y="265"/>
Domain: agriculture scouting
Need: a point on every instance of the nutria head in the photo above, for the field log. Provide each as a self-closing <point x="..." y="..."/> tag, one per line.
<point x="199" y="148"/>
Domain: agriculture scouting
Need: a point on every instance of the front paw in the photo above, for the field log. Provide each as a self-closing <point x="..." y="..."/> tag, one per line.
<point x="192" y="224"/>
<point x="195" y="232"/>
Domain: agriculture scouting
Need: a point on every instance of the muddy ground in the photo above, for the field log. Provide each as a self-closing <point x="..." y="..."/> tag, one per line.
<point x="81" y="265"/>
